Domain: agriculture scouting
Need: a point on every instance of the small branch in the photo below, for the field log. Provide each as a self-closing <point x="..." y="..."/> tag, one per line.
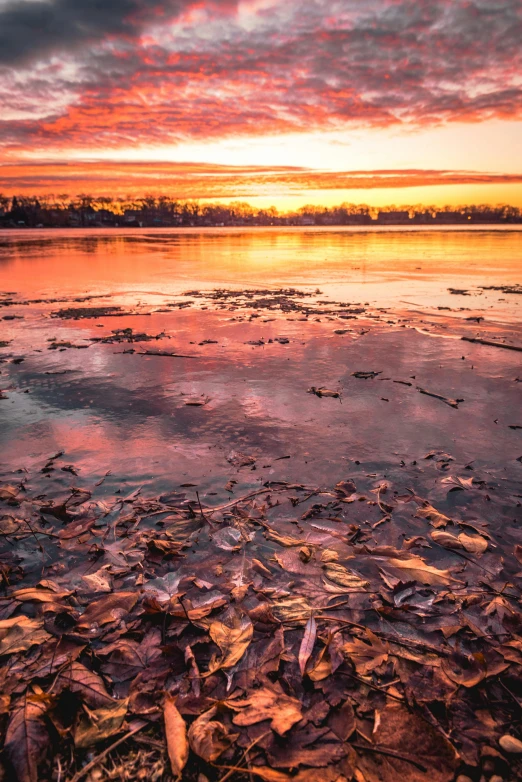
<point x="85" y="770"/>
<point x="390" y="753"/>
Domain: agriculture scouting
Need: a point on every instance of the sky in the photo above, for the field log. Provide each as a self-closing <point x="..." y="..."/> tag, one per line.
<point x="277" y="102"/>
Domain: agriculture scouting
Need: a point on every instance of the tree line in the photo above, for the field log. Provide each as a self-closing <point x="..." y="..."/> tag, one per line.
<point x="63" y="210"/>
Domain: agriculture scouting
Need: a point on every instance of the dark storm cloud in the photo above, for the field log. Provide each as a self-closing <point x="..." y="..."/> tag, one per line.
<point x="30" y="29"/>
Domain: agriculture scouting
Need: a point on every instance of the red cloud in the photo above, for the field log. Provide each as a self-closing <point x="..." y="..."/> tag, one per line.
<point x="202" y="181"/>
<point x="291" y="67"/>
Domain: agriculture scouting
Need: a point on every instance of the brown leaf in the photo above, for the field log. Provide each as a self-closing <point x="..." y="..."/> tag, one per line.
<point x="269" y="774"/>
<point x="475" y="544"/>
<point x="307" y="644"/>
<point x="176" y="735"/>
<point x="19" y="633"/>
<point x="292" y="609"/>
<point x="109" y="608"/>
<point x="457" y="483"/>
<point x="367" y="656"/>
<point x="399" y="731"/>
<point x="209" y="738"/>
<point x="283" y="540"/>
<point x="101" y="724"/>
<point x="446" y="539"/>
<point x="267" y="704"/>
<point x="322" y="391"/>
<point x="27" y="737"/>
<point x="77" y="678"/>
<point x="510" y="744"/>
<point x="435" y="517"/>
<point x="100" y="581"/>
<point x="467" y="670"/>
<point x="232" y="640"/>
<point x="342" y="576"/>
<point x="342" y="721"/>
<point x="36" y="595"/>
<point x="416" y="568"/>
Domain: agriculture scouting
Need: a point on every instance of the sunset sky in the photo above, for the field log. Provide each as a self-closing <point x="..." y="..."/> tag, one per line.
<point x="281" y="102"/>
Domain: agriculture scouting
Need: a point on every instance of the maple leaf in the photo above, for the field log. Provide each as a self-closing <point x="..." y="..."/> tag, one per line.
<point x="367" y="656"/>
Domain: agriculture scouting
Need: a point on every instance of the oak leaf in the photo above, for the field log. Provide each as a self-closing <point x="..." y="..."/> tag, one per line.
<point x="267" y="704"/>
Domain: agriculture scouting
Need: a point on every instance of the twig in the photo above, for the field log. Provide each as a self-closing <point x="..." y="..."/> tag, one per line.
<point x="163" y="354"/>
<point x="201" y="509"/>
<point x="243" y="756"/>
<point x="392" y="754"/>
<point x="371" y="686"/>
<point x="491" y="344"/>
<point x="85" y="770"/>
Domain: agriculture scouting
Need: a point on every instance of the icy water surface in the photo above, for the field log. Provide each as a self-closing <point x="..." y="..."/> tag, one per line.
<point x="134" y="415"/>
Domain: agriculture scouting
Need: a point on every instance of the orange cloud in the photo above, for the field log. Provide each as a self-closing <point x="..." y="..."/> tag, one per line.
<point x="208" y="181"/>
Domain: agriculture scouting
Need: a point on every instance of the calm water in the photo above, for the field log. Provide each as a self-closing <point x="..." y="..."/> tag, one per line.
<point x="110" y="410"/>
<point x="384" y="266"/>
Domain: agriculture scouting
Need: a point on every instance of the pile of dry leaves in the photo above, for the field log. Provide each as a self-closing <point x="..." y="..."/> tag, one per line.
<point x="296" y="633"/>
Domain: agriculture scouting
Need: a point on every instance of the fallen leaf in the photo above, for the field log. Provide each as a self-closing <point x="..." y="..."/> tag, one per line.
<point x="464" y="669"/>
<point x="366" y="656"/>
<point x="416" y="568"/>
<point x="510" y="744"/>
<point x="209" y="738"/>
<point x="323" y="392"/>
<point x="36" y="595"/>
<point x="101" y="724"/>
<point x="176" y="735"/>
<point x="19" y="633"/>
<point x="77" y="678"/>
<point x="434" y="516"/>
<point x="233" y="641"/>
<point x="457" y="483"/>
<point x="165" y="588"/>
<point x="342" y="576"/>
<point x="27" y="737"/>
<point x="110" y="608"/>
<point x="267" y="704"/>
<point x="474" y="544"/>
<point x="342" y="721"/>
<point x="100" y="581"/>
<point x="307" y="644"/>
<point x="446" y="539"/>
<point x="398" y="730"/>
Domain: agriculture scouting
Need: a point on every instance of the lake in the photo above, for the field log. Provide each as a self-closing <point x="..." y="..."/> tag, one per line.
<point x="111" y="410"/>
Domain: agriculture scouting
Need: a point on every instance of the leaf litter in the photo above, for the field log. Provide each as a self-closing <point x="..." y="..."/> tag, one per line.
<point x="241" y="640"/>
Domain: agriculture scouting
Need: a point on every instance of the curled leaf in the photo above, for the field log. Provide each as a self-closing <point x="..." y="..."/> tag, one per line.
<point x="307" y="644"/>
<point x="209" y="738"/>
